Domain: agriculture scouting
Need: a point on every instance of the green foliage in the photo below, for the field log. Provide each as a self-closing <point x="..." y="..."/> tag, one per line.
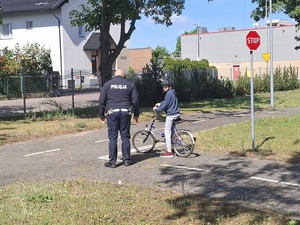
<point x="158" y="57"/>
<point x="291" y="8"/>
<point x="11" y="85"/>
<point x="130" y="75"/>
<point x="33" y="58"/>
<point x="100" y="15"/>
<point x="149" y="89"/>
<point x="284" y="79"/>
<point x="243" y="85"/>
<point x="39" y="198"/>
<point x="80" y="125"/>
<point x="193" y="80"/>
<point x="177" y="52"/>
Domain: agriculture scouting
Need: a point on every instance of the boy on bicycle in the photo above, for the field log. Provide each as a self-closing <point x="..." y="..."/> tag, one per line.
<point x="170" y="106"/>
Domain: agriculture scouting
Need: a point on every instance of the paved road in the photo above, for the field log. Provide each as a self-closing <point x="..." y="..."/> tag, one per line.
<point x="17" y="106"/>
<point x="267" y="184"/>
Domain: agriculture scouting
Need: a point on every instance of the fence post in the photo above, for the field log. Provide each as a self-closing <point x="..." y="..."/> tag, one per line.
<point x="80" y="80"/>
<point x="73" y="84"/>
<point x="7" y="87"/>
<point x="23" y="89"/>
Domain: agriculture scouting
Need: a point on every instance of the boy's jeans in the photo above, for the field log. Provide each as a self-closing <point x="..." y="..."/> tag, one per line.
<point x="168" y="129"/>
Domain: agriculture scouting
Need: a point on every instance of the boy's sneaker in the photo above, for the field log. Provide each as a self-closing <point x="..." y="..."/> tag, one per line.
<point x="167" y="155"/>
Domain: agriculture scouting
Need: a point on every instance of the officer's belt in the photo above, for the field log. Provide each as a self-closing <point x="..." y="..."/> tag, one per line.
<point x="121" y="110"/>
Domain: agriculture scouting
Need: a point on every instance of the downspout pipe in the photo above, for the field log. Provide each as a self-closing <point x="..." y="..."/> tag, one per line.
<point x="60" y="50"/>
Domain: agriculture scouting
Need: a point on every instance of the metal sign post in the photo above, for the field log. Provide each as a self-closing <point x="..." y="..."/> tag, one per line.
<point x="252" y="101"/>
<point x="253" y="42"/>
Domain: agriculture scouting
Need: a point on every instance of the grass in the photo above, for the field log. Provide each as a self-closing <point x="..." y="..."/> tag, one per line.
<point x="275" y="138"/>
<point x="86" y="202"/>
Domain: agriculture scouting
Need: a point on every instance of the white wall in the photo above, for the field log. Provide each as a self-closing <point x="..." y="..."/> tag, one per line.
<point x="46" y="32"/>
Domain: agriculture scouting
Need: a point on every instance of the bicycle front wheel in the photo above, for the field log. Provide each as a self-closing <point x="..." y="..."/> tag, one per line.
<point x="143" y="141"/>
<point x="183" y="143"/>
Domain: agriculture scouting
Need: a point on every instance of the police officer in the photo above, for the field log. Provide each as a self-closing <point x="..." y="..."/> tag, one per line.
<point x="119" y="99"/>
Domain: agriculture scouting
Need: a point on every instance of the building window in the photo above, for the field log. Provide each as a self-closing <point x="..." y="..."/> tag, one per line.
<point x="29" y="25"/>
<point x="80" y="31"/>
<point x="6" y="30"/>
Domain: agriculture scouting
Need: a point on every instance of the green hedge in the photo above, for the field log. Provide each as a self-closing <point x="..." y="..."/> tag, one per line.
<point x="283" y="79"/>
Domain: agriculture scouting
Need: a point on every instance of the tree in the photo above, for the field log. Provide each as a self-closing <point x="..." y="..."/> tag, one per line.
<point x="289" y="7"/>
<point x="101" y="14"/>
<point x="1" y="21"/>
<point x="33" y="58"/>
<point x="158" y="56"/>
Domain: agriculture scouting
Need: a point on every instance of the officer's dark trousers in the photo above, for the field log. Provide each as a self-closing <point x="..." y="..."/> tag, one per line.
<point x="118" y="121"/>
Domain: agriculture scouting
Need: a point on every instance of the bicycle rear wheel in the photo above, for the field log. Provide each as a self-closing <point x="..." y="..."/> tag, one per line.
<point x="183" y="143"/>
<point x="143" y="141"/>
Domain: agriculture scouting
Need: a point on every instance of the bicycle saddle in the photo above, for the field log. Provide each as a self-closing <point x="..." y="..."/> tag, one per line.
<point x="177" y="119"/>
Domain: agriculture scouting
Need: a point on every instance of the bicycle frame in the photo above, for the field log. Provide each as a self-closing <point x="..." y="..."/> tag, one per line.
<point x="182" y="140"/>
<point x="162" y="134"/>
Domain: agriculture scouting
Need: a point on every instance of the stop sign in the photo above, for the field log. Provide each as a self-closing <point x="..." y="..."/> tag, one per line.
<point x="253" y="40"/>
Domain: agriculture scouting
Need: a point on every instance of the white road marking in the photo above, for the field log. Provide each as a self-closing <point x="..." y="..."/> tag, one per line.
<point x="101" y="141"/>
<point x="185" y="167"/>
<point x="275" y="181"/>
<point x="43" y="152"/>
<point x="104" y="140"/>
<point x="198" y="121"/>
<point x="106" y="157"/>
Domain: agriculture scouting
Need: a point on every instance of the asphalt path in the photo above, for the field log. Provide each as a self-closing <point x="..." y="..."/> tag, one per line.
<point x="19" y="106"/>
<point x="262" y="183"/>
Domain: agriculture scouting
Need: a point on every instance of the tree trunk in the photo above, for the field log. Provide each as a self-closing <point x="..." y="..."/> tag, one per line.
<point x="108" y="55"/>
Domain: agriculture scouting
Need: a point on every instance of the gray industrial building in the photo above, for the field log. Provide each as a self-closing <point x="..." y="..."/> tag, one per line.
<point x="228" y="52"/>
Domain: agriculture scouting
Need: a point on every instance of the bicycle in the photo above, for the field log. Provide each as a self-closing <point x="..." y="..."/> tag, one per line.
<point x="183" y="142"/>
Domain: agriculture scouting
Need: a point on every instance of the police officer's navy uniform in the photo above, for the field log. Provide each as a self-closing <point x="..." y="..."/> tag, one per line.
<point x="117" y="102"/>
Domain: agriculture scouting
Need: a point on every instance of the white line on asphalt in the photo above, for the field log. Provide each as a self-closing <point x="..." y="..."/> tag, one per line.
<point x="106" y="157"/>
<point x="43" y="152"/>
<point x="198" y="121"/>
<point x="275" y="181"/>
<point x="184" y="167"/>
<point x="104" y="140"/>
<point x="101" y="141"/>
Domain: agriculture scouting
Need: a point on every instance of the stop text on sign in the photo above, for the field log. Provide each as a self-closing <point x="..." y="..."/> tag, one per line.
<point x="251" y="40"/>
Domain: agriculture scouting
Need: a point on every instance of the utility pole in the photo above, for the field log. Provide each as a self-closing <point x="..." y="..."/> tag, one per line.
<point x="271" y="57"/>
<point x="198" y="42"/>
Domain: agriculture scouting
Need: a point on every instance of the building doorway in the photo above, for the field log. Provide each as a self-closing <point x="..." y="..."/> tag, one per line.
<point x="236" y="72"/>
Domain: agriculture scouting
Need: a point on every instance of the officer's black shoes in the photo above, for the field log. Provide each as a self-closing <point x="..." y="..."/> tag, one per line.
<point x="110" y="165"/>
<point x="127" y="163"/>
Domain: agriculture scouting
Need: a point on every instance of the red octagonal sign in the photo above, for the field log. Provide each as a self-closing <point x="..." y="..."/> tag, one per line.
<point x="253" y="40"/>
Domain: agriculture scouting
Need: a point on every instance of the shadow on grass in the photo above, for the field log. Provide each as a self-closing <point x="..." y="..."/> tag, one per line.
<point x="210" y="211"/>
<point x="240" y="102"/>
<point x="258" y="151"/>
<point x="3" y="137"/>
<point x="295" y="159"/>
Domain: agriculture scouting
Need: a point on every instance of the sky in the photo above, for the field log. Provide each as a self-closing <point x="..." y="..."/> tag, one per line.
<point x="212" y="15"/>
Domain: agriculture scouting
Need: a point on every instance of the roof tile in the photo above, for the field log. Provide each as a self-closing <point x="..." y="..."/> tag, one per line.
<point x="18" y="6"/>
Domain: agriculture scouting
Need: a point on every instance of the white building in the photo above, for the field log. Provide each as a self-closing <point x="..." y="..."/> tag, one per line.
<point x="228" y="52"/>
<point x="48" y="23"/>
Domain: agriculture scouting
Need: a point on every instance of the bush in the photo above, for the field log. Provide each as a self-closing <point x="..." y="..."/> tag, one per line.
<point x="149" y="89"/>
<point x="284" y="79"/>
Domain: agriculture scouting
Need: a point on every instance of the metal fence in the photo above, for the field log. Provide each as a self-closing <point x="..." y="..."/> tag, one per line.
<point x="80" y="79"/>
<point x="233" y="73"/>
<point x="24" y="93"/>
<point x="21" y="107"/>
<point x="51" y="85"/>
